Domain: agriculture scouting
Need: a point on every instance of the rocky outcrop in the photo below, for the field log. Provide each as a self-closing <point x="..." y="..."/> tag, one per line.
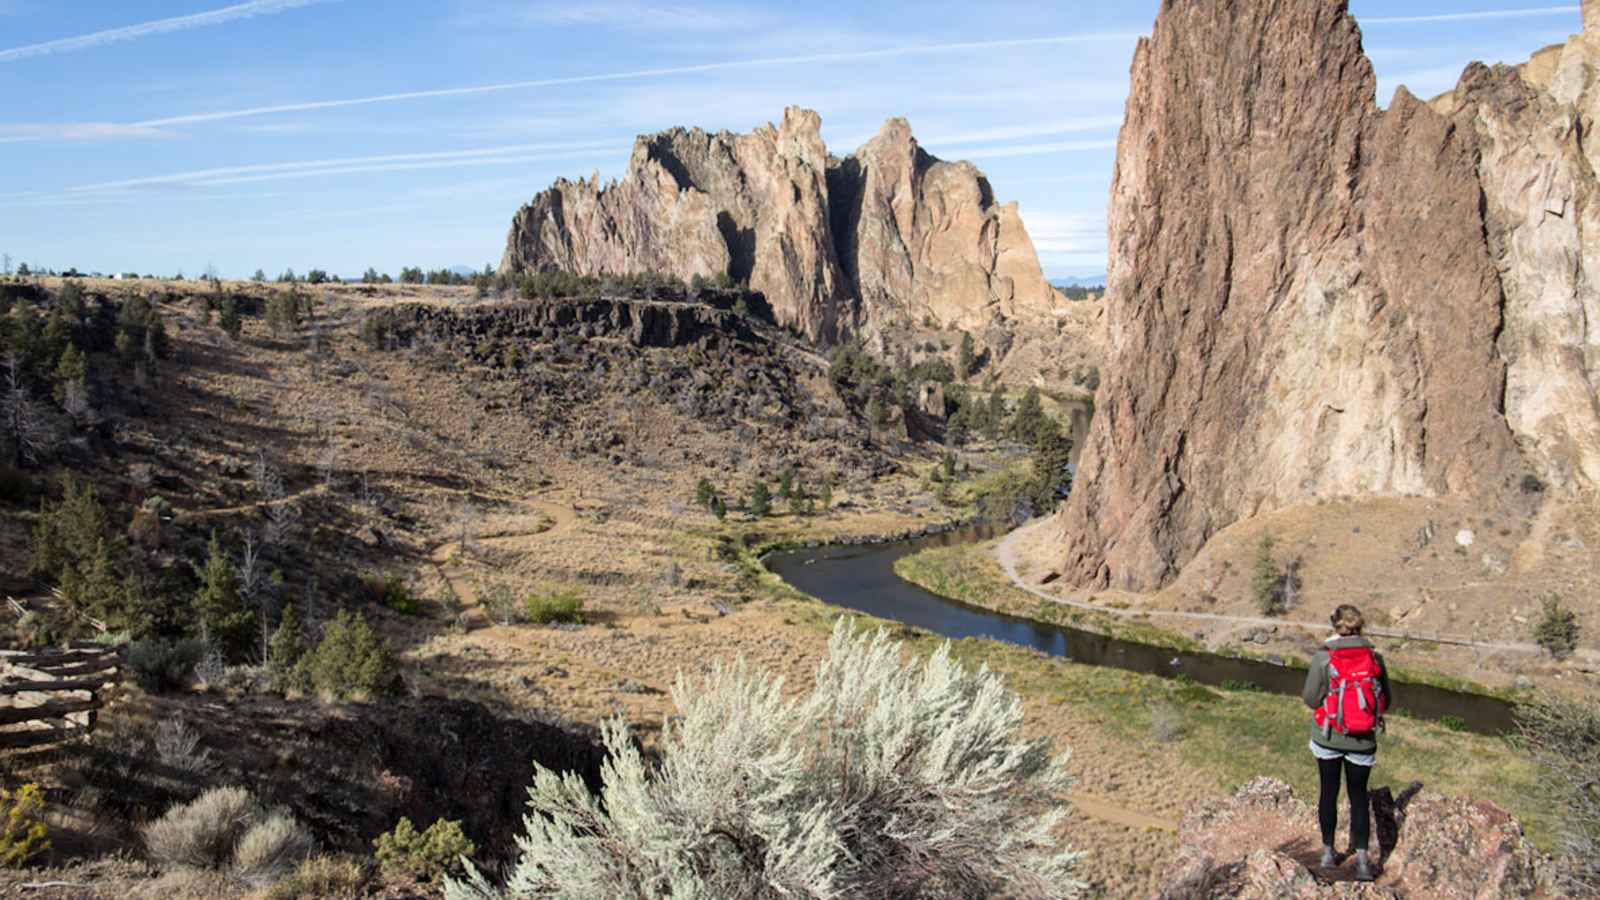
<point x="837" y="246"/>
<point x="1261" y="844"/>
<point x="1314" y="298"/>
<point x="643" y="322"/>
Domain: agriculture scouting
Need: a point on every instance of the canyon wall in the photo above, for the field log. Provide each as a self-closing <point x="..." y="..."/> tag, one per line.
<point x="1312" y="297"/>
<point x="839" y="247"/>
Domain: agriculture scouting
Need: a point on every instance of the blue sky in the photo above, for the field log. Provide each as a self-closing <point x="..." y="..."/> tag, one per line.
<point x="176" y="135"/>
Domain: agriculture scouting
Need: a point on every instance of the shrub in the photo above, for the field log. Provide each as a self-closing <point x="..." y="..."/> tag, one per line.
<point x="321" y="877"/>
<point x="390" y="590"/>
<point x="226" y="829"/>
<point x="555" y="606"/>
<point x="203" y="834"/>
<point x="1557" y="629"/>
<point x="25" y="835"/>
<point x="271" y="849"/>
<point x="1266" y="583"/>
<point x="351" y="661"/>
<point x="161" y="665"/>
<point x="1166" y="723"/>
<point x="426" y="855"/>
<point x="500" y="604"/>
<point x="1562" y="737"/>
<point x="888" y="779"/>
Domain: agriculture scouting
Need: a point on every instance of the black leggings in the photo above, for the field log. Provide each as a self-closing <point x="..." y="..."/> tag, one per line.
<point x="1328" y="802"/>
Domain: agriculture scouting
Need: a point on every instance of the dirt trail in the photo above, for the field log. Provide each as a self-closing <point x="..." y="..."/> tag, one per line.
<point x="1005" y="553"/>
<point x="200" y="515"/>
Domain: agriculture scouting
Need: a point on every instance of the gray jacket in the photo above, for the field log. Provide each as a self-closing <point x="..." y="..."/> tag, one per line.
<point x="1316" y="691"/>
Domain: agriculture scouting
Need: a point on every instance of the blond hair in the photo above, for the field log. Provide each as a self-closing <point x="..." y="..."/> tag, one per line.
<point x="1347" y="620"/>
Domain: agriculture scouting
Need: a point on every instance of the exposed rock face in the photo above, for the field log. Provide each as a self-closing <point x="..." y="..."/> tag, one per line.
<point x="1261" y="844"/>
<point x="1314" y="298"/>
<point x="836" y="246"/>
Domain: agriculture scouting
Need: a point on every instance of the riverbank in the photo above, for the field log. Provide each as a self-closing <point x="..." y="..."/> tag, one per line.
<point x="1157" y="746"/>
<point x="978" y="575"/>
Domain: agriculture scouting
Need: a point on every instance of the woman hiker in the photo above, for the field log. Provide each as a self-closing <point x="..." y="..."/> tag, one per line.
<point x="1348" y="687"/>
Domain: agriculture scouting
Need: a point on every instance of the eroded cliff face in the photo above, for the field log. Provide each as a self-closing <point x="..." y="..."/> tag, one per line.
<point x="838" y="246"/>
<point x="1314" y="298"/>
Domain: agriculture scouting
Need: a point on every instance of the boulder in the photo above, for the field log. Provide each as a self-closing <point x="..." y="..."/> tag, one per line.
<point x="1263" y="843"/>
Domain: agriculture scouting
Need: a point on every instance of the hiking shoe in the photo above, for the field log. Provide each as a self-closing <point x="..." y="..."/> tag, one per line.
<point x="1329" y="858"/>
<point x="1364" y="870"/>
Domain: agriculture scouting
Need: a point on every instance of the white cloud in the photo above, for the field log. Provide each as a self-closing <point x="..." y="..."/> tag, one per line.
<point x="159" y="26"/>
<point x="1479" y="16"/>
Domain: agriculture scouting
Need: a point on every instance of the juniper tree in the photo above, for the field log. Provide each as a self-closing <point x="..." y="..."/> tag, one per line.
<point x="967" y="362"/>
<point x="760" y="500"/>
<point x="890" y="779"/>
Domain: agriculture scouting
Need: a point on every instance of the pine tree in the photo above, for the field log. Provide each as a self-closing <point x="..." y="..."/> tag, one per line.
<point x="719" y="508"/>
<point x="229" y="319"/>
<point x="995" y="417"/>
<point x="286" y="647"/>
<point x="72" y="368"/>
<point x="760" y="500"/>
<point x="786" y="482"/>
<point x="967" y="362"/>
<point x="1029" y="419"/>
<point x="704" y="493"/>
<point x="217" y="603"/>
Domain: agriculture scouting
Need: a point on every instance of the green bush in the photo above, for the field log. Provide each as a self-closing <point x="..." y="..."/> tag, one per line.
<point x="426" y="855"/>
<point x="1266" y="583"/>
<point x="1557" y="629"/>
<point x="556" y="606"/>
<point x="162" y="665"/>
<point x="350" y="661"/>
<point x="390" y="590"/>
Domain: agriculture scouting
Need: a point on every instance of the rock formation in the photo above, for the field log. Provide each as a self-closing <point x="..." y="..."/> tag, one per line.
<point x="1312" y="297"/>
<point x="1261" y="844"/>
<point x="837" y="246"/>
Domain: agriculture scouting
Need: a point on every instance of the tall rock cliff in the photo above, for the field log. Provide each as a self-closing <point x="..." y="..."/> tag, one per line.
<point x="1312" y="298"/>
<point x="838" y="246"/>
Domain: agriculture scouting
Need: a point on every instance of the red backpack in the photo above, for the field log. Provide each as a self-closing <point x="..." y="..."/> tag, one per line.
<point x="1355" y="698"/>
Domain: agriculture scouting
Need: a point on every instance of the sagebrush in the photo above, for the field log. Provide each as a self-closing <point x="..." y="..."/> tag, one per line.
<point x="226" y="829"/>
<point x="889" y="779"/>
<point x="1562" y="736"/>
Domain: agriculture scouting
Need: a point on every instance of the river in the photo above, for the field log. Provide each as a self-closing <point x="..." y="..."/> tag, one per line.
<point x="862" y="578"/>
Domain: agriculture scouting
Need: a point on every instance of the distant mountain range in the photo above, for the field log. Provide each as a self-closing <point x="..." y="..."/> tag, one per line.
<point x="1080" y="280"/>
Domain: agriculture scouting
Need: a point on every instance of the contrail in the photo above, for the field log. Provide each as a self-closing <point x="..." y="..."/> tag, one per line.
<point x="635" y="75"/>
<point x="204" y="176"/>
<point x="1471" y="16"/>
<point x="159" y="26"/>
<point x="347" y="165"/>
